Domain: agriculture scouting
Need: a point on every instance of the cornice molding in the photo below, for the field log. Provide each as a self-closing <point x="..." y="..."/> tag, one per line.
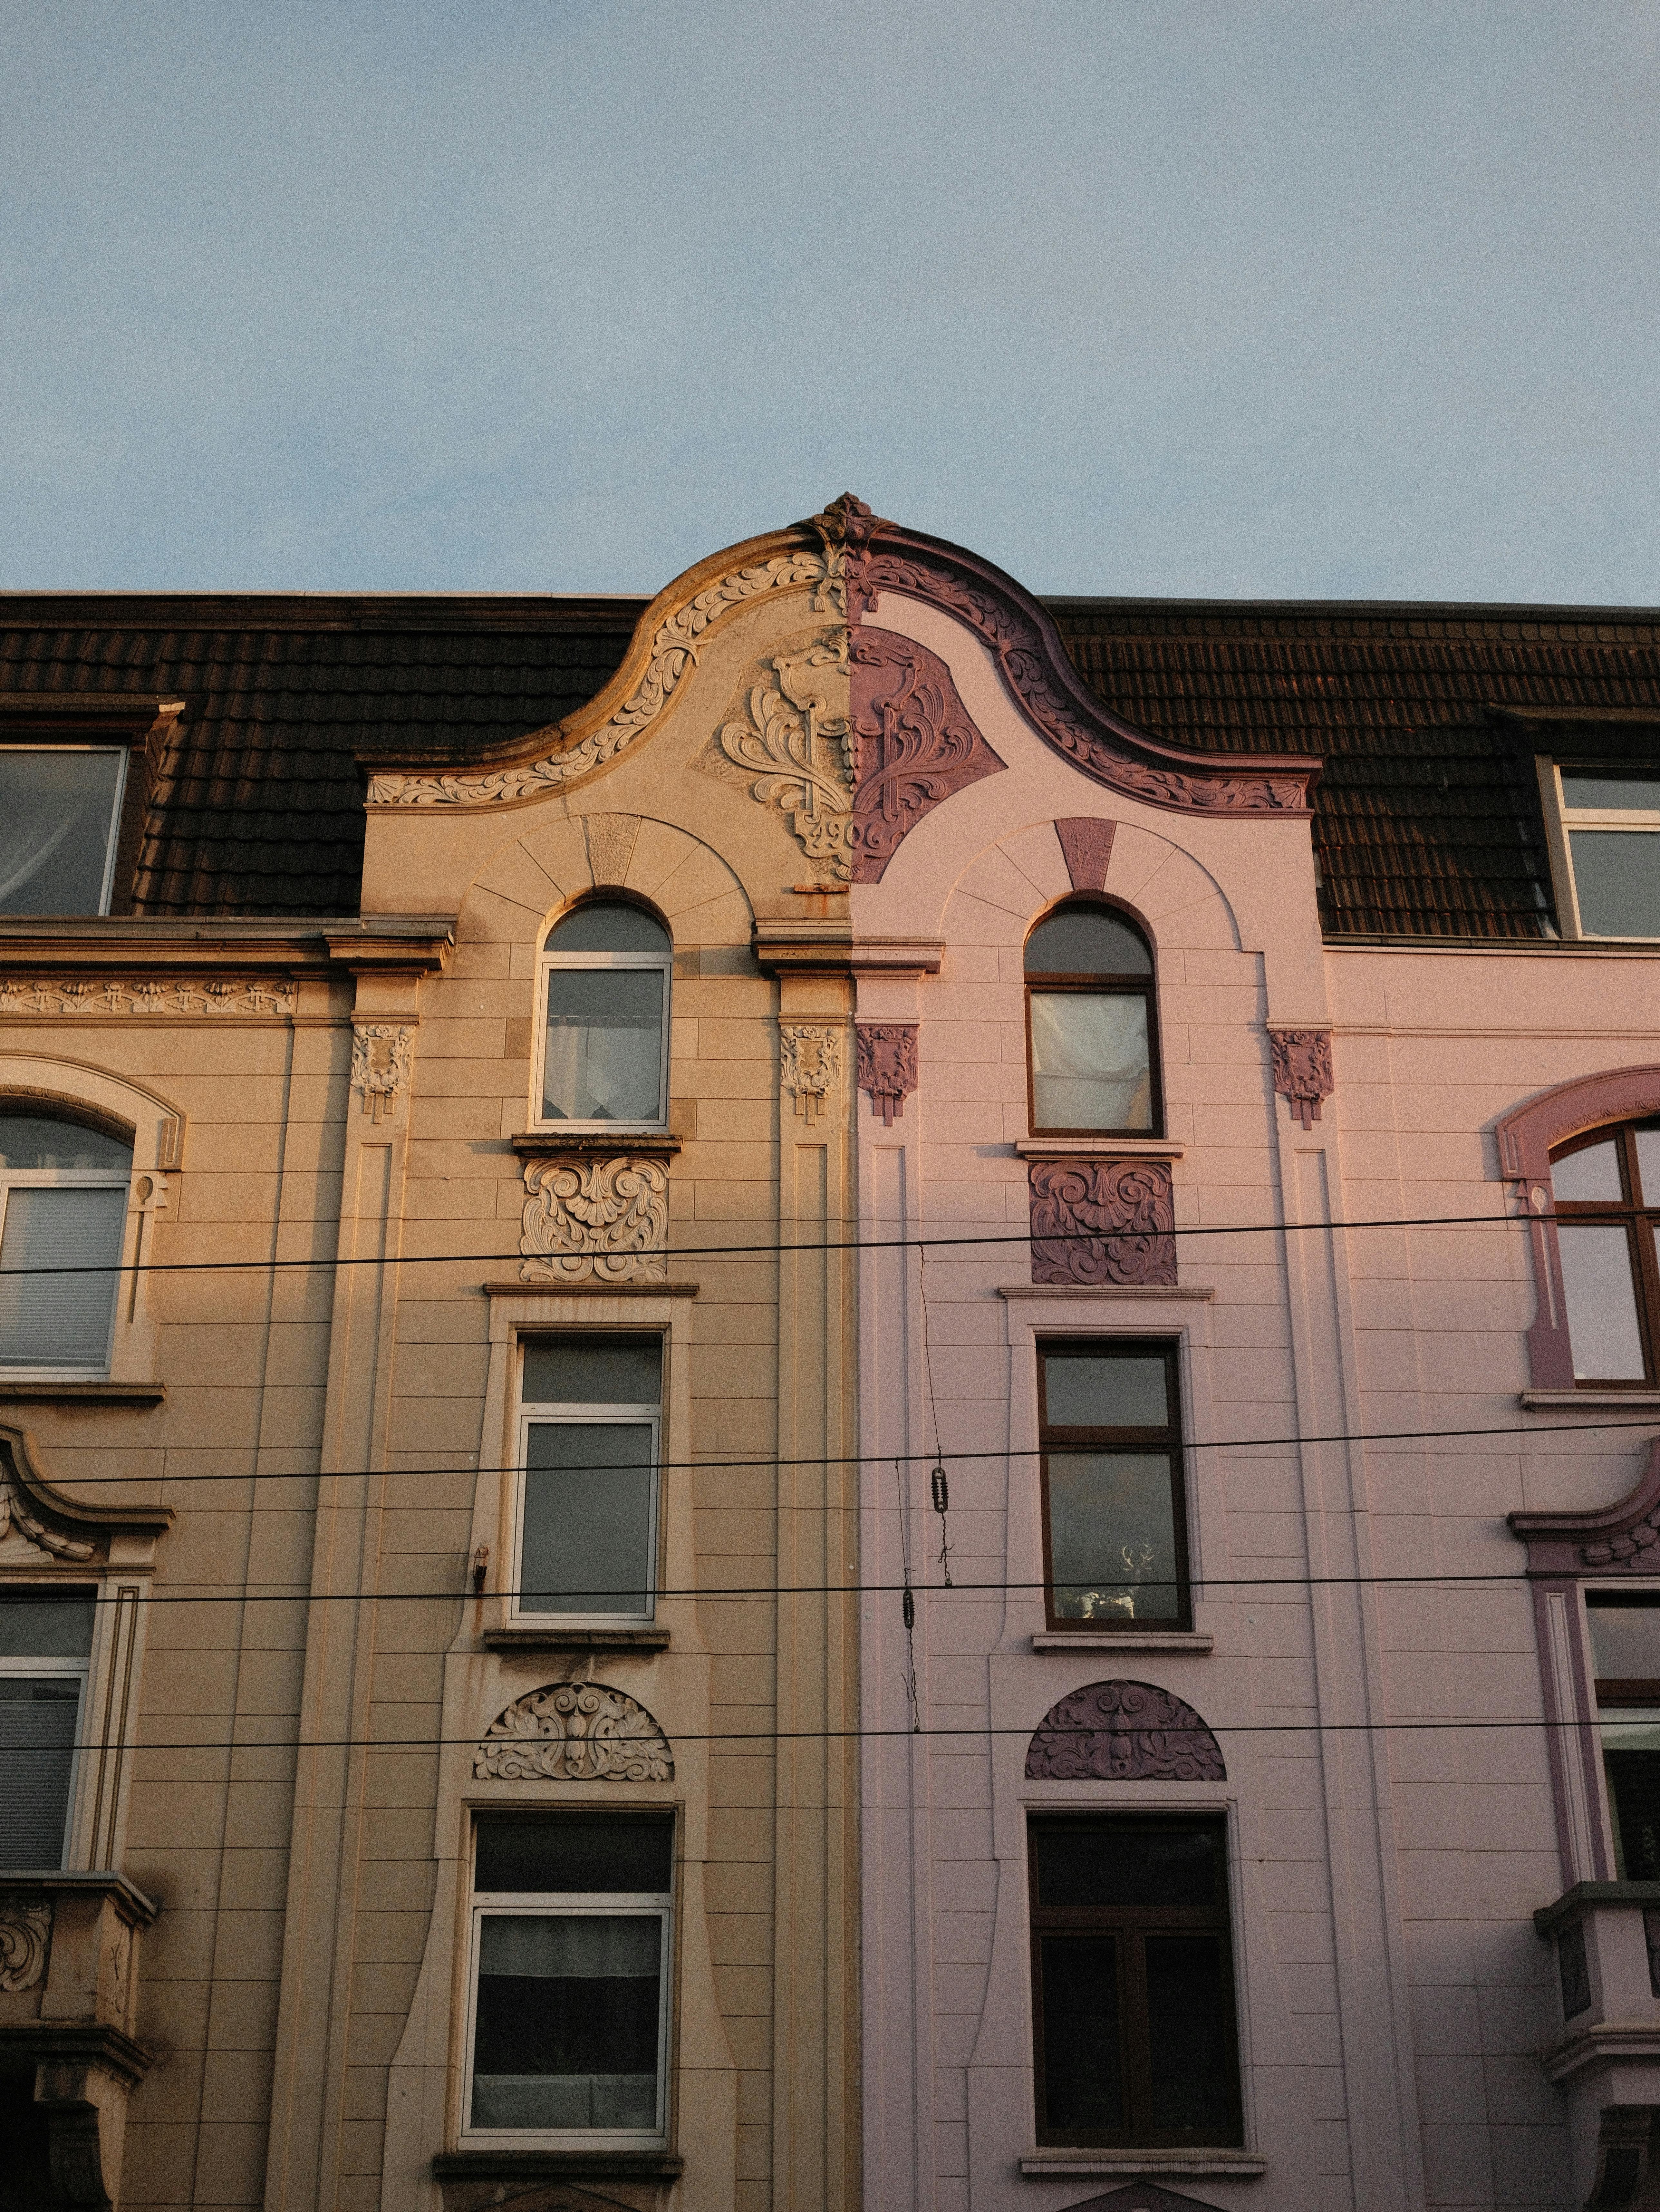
<point x="64" y="1528"/>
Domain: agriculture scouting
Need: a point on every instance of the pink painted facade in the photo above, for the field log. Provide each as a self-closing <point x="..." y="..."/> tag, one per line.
<point x="1360" y="1408"/>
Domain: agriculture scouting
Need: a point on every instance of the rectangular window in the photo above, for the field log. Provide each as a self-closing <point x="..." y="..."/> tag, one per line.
<point x="568" y="2021"/>
<point x="63" y="1204"/>
<point x="60" y="805"/>
<point x="1132" y="1982"/>
<point x="1610" y="833"/>
<point x="1114" y="1525"/>
<point x="590" y="1425"/>
<point x="46" y="1639"/>
<point x="1624" y="1640"/>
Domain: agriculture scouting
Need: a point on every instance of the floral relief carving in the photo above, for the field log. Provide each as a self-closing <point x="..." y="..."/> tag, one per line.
<point x="1635" y="1550"/>
<point x="1302" y="1070"/>
<point x="16" y="1512"/>
<point x="574" y="1732"/>
<point x="381" y="1055"/>
<point x="887" y="1066"/>
<point x="1123" y="1732"/>
<point x="810" y="1064"/>
<point x="39" y="995"/>
<point x="672" y="652"/>
<point x="25" y="1926"/>
<point x="1103" y="1221"/>
<point x="798" y="734"/>
<point x="604" y="1221"/>
<point x="916" y="744"/>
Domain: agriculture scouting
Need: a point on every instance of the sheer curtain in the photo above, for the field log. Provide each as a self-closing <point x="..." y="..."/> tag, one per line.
<point x="604" y="1056"/>
<point x="1090" y="1067"/>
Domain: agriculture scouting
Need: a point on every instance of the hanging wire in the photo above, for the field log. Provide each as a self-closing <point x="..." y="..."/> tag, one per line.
<point x="938" y="1483"/>
<point x="907" y="1604"/>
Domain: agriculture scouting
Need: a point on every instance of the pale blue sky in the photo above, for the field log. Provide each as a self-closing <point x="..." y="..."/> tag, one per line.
<point x="1210" y="297"/>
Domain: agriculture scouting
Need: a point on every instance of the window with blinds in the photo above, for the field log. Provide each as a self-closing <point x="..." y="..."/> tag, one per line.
<point x="62" y="1213"/>
<point x="45" y="1643"/>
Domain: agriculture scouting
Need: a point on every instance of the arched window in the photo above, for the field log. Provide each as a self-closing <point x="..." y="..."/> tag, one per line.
<point x="1092" y="1026"/>
<point x="64" y="1189"/>
<point x="605" y="1034"/>
<point x="1607" y="1187"/>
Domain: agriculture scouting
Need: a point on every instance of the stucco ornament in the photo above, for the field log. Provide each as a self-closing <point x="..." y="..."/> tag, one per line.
<point x="672" y="652"/>
<point x="38" y="995"/>
<point x="798" y="734"/>
<point x="916" y="744"/>
<point x="1302" y="1070"/>
<point x="16" y="1512"/>
<point x="1103" y="1221"/>
<point x="381" y="1056"/>
<point x="810" y="1064"/>
<point x="1123" y="1732"/>
<point x="574" y="1732"/>
<point x="887" y="1066"/>
<point x="25" y="1926"/>
<point x="604" y="1221"/>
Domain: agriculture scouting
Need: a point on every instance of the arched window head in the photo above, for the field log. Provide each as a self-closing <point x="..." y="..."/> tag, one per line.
<point x="1607" y="1187"/>
<point x="63" y="1203"/>
<point x="605" y="975"/>
<point x="1092" y="1026"/>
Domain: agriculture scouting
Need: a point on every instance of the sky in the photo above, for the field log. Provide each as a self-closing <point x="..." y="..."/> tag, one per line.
<point x="1207" y="298"/>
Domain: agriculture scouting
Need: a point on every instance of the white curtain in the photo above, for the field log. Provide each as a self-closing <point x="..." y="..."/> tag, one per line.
<point x="565" y="2100"/>
<point x="599" y="1070"/>
<point x="1090" y="1068"/>
<point x="59" y="1321"/>
<point x="585" y="1947"/>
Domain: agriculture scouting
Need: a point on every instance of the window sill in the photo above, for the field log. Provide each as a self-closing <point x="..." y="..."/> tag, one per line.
<point x="589" y="1287"/>
<point x="557" y="2164"/>
<point x="1144" y="2165"/>
<point x="591" y="1144"/>
<point x="1122" y="1639"/>
<point x="1096" y="1148"/>
<point x="576" y="1639"/>
<point x="1112" y="1292"/>
<point x="41" y="1388"/>
<point x="1643" y="1400"/>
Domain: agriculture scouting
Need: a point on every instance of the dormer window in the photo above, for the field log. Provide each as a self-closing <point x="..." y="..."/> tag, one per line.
<point x="59" y="807"/>
<point x="606" y="969"/>
<point x="1092" y="1025"/>
<point x="1604" y="822"/>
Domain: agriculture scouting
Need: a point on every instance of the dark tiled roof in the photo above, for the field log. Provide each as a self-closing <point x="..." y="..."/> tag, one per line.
<point x="257" y="808"/>
<point x="1426" y="815"/>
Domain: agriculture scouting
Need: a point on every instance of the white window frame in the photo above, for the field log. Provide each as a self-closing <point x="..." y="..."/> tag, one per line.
<point x="552" y="963"/>
<point x="524" y="1904"/>
<point x="123" y="763"/>
<point x="610" y="1413"/>
<point x="1560" y="821"/>
<point x="31" y="1670"/>
<point x="69" y="1179"/>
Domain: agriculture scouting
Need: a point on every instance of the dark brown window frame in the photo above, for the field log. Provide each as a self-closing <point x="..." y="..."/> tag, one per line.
<point x="1169" y="1439"/>
<point x="1130" y="1925"/>
<point x="1144" y="987"/>
<point x="1640" y="1219"/>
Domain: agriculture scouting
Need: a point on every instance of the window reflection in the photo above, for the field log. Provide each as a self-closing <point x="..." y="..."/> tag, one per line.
<point x="1113" y="1487"/>
<point x="1607" y="1189"/>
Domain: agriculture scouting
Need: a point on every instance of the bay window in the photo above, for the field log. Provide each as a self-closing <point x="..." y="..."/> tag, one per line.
<point x="45" y="1640"/>
<point x="605" y="975"/>
<point x="1625" y="1642"/>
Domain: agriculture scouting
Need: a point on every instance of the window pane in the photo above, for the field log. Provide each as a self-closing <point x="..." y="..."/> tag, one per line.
<point x="1626" y="1640"/>
<point x="588" y="1490"/>
<point x="37" y="1756"/>
<point x="1097" y="1392"/>
<point x="1648" y="1165"/>
<point x="1112" y="1537"/>
<point x="593" y="1371"/>
<point x="1187" y="2035"/>
<point x="1136" y="1863"/>
<point x="1593" y="1174"/>
<point x="1090" y="1068"/>
<point x="36" y="1140"/>
<point x="1612" y="787"/>
<point x="574" y="1856"/>
<point x="609" y="927"/>
<point x="566" y="2031"/>
<point x="1086" y="940"/>
<point x="57" y="810"/>
<point x="604" y="1058"/>
<point x="1616" y="874"/>
<point x="59" y="1321"/>
<point x="1602" y="1302"/>
<point x="1083" y="2051"/>
<point x="1631" y="1761"/>
<point x="40" y="1624"/>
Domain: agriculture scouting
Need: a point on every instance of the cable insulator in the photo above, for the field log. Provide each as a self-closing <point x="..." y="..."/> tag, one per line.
<point x="910" y="1610"/>
<point x="941" y="1490"/>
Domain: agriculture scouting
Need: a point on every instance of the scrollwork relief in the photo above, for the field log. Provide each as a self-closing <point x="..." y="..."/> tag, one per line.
<point x="810" y="1064"/>
<point x="40" y="995"/>
<point x="887" y="1066"/>
<point x="1103" y="1221"/>
<point x="574" y="1732"/>
<point x="25" y="1929"/>
<point x="604" y="1221"/>
<point x="798" y="734"/>
<point x="916" y="744"/>
<point x="1302" y="1070"/>
<point x="1123" y="1732"/>
<point x="16" y="1512"/>
<point x="381" y="1055"/>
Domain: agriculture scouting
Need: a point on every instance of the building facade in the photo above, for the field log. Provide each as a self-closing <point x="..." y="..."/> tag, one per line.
<point x="832" y="1393"/>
